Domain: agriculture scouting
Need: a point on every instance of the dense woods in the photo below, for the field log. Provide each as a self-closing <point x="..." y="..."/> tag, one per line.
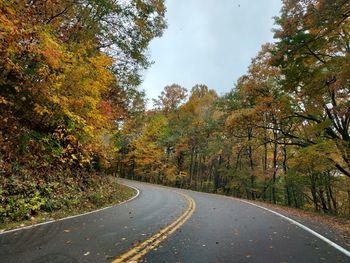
<point x="68" y="73"/>
<point x="281" y="135"/>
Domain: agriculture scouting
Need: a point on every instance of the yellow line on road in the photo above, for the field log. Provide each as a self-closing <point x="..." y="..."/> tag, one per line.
<point x="140" y="250"/>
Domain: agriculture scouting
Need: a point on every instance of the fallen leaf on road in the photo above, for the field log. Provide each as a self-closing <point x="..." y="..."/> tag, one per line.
<point x="66" y="230"/>
<point x="87" y="253"/>
<point x="136" y="243"/>
<point x="69" y="242"/>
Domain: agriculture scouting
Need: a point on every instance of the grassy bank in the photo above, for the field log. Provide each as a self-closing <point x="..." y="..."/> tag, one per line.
<point x="102" y="192"/>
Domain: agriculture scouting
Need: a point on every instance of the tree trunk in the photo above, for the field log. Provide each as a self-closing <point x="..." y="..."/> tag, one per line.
<point x="251" y="163"/>
<point x="274" y="167"/>
<point x="314" y="191"/>
<point x="284" y="166"/>
<point x="191" y="167"/>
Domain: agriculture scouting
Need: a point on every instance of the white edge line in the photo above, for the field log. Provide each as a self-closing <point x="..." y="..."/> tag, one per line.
<point x="329" y="242"/>
<point x="70" y="217"/>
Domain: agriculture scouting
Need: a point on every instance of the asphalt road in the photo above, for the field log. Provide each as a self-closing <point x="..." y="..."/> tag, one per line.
<point x="220" y="230"/>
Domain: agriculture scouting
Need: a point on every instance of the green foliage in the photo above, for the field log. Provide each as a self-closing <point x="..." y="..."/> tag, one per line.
<point x="96" y="199"/>
<point x="52" y="205"/>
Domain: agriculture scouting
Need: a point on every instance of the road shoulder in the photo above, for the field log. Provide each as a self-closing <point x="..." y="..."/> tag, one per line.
<point x="334" y="228"/>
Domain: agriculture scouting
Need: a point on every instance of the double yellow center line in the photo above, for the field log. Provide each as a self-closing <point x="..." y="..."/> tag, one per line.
<point x="134" y="254"/>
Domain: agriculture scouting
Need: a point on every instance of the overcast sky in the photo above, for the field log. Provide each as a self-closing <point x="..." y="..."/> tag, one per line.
<point x="208" y="42"/>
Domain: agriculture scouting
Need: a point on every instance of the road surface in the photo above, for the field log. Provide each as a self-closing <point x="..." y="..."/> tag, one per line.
<point x="169" y="225"/>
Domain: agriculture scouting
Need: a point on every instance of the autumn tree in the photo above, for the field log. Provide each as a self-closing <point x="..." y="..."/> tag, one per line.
<point x="313" y="53"/>
<point x="69" y="72"/>
<point x="170" y="98"/>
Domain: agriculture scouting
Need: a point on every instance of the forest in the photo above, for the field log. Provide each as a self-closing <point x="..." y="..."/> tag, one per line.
<point x="72" y="112"/>
<point x="281" y="135"/>
<point x="69" y="71"/>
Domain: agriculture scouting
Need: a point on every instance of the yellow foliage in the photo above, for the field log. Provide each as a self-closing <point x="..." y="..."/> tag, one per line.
<point x="41" y="110"/>
<point x="3" y="100"/>
<point x="50" y="50"/>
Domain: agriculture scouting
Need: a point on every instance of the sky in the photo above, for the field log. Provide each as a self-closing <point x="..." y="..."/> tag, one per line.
<point x="208" y="42"/>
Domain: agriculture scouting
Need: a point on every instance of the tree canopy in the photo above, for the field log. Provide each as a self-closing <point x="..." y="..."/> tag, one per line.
<point x="69" y="72"/>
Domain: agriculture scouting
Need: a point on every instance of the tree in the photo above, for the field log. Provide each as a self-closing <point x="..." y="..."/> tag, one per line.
<point x="69" y="72"/>
<point x="171" y="98"/>
<point x="313" y="53"/>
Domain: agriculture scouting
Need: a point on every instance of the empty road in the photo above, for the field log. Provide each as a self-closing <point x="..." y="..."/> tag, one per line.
<point x="169" y="225"/>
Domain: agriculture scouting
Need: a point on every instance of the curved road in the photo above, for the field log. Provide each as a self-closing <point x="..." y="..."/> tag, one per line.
<point x="220" y="230"/>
